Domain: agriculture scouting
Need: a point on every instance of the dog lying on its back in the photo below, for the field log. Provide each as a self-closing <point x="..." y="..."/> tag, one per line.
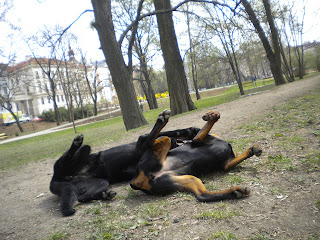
<point x="83" y="176"/>
<point x="162" y="170"/>
<point x="156" y="163"/>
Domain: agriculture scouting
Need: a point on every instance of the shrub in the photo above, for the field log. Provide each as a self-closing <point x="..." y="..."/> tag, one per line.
<point x="64" y="116"/>
<point x="48" y="116"/>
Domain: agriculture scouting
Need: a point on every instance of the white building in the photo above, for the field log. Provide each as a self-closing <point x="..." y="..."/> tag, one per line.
<point x="29" y="87"/>
<point x="108" y="91"/>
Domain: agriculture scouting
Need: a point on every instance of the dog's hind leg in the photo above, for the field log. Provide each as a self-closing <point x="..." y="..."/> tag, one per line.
<point x="68" y="196"/>
<point x="184" y="134"/>
<point x="159" y="125"/>
<point x="146" y="141"/>
<point x="211" y="117"/>
<point x="193" y="184"/>
<point x="76" y="144"/>
<point x="254" y="150"/>
<point x="94" y="189"/>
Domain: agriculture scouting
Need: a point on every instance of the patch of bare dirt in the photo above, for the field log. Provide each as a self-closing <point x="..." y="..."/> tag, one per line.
<point x="281" y="204"/>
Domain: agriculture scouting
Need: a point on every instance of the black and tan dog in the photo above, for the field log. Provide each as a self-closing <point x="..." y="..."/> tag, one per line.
<point x="82" y="176"/>
<point x="162" y="170"/>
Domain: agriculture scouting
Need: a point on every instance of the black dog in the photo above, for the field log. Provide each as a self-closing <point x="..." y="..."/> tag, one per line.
<point x="163" y="170"/>
<point x="82" y="176"/>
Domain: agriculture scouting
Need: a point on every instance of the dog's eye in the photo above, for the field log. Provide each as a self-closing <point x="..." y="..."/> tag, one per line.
<point x="152" y="176"/>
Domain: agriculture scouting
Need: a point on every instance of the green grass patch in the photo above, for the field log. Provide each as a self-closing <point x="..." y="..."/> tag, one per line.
<point x="280" y="163"/>
<point x="107" y="224"/>
<point x="153" y="209"/>
<point x="217" y="215"/>
<point x="223" y="235"/>
<point x="312" y="162"/>
<point x="59" y="235"/>
<point x="234" y="179"/>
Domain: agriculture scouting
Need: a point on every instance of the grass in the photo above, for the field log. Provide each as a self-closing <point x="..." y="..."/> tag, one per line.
<point x="59" y="235"/>
<point x="223" y="235"/>
<point x="152" y="210"/>
<point x="221" y="212"/>
<point x="217" y="215"/>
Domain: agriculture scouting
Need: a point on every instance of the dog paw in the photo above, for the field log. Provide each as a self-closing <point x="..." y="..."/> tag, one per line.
<point x="241" y="192"/>
<point x="211" y="116"/>
<point x="108" y="195"/>
<point x="256" y="150"/>
<point x="67" y="211"/>
<point x="78" y="140"/>
<point x="164" y="115"/>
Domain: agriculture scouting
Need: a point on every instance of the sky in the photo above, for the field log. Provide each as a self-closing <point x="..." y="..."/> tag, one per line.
<point x="32" y="15"/>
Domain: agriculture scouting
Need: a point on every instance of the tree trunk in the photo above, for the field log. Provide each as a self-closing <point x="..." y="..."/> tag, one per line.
<point x="272" y="55"/>
<point x="180" y="100"/>
<point x="192" y="58"/>
<point x="131" y="112"/>
<point x="80" y="100"/>
<point x="234" y="59"/>
<point x="16" y="117"/>
<point x="148" y="90"/>
<point x="54" y="100"/>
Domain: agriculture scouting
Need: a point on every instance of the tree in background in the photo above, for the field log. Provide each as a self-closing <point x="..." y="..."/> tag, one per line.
<point x="95" y="86"/>
<point x="121" y="76"/>
<point x="12" y="83"/>
<point x="50" y="66"/>
<point x="192" y="55"/>
<point x="273" y="50"/>
<point x="180" y="100"/>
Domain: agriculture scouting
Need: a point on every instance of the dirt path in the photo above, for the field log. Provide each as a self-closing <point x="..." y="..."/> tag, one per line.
<point x="30" y="211"/>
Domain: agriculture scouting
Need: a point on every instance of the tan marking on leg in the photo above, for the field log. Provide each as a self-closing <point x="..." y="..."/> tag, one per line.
<point x="254" y="150"/>
<point x="215" y="135"/>
<point x="161" y="147"/>
<point x="211" y="117"/>
<point x="193" y="184"/>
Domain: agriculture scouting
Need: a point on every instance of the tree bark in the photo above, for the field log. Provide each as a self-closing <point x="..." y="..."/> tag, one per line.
<point x="146" y="86"/>
<point x="152" y="101"/>
<point x="16" y="117"/>
<point x="192" y="58"/>
<point x="131" y="112"/>
<point x="273" y="55"/>
<point x="180" y="100"/>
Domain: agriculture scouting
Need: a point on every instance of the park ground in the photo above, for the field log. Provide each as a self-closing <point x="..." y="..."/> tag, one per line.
<point x="284" y="202"/>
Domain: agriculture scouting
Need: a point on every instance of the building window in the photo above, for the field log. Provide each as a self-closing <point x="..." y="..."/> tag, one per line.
<point x="58" y="99"/>
<point x="62" y="99"/>
<point x="43" y="75"/>
<point x="37" y="75"/>
<point x="48" y="99"/>
<point x="42" y="100"/>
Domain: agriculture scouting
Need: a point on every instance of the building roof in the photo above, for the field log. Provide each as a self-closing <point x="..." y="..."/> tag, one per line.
<point x="33" y="61"/>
